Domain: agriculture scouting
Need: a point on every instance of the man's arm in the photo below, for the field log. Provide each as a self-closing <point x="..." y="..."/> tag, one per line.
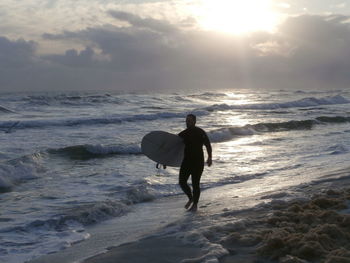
<point x="209" y="150"/>
<point x="181" y="134"/>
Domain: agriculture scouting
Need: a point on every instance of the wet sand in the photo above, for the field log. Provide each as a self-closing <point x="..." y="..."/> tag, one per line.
<point x="313" y="225"/>
<point x="297" y="231"/>
<point x="164" y="249"/>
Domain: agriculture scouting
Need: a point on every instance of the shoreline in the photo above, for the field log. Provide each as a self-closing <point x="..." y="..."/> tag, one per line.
<point x="221" y="231"/>
<point x="297" y="231"/>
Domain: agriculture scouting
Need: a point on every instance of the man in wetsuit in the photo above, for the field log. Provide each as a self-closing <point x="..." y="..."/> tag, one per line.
<point x="193" y="162"/>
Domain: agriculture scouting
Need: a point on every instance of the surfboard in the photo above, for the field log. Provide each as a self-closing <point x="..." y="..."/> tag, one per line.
<point x="163" y="148"/>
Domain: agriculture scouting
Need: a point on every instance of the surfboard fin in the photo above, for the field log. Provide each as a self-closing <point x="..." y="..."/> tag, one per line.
<point x="158" y="166"/>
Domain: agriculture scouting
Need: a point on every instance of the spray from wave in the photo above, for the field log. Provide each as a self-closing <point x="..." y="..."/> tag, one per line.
<point x="303" y="103"/>
<point x="228" y="133"/>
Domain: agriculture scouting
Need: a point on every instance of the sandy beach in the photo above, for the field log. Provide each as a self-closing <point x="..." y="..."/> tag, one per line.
<point x="315" y="230"/>
<point x="310" y="226"/>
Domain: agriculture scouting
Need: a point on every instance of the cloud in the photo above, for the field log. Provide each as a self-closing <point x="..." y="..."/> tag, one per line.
<point x="318" y="52"/>
<point x="340" y="5"/>
<point x="74" y="58"/>
<point x="18" y="53"/>
<point x="31" y="18"/>
<point x="283" y="5"/>
<point x="147" y="23"/>
<point x="307" y="52"/>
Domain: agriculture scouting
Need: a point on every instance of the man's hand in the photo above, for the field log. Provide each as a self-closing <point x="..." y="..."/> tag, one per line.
<point x="209" y="161"/>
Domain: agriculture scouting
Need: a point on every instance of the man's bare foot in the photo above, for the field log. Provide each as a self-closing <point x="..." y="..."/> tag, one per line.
<point x="193" y="208"/>
<point x="188" y="204"/>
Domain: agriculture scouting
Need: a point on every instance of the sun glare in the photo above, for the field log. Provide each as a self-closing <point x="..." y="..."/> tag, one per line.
<point x="237" y="16"/>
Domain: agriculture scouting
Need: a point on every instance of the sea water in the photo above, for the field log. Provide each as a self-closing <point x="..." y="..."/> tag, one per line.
<point x="72" y="160"/>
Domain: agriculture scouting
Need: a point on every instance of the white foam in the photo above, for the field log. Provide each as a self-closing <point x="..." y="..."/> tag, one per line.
<point x="212" y="251"/>
<point x="94" y="212"/>
<point x="116" y="149"/>
<point x="49" y="242"/>
<point x="227" y="134"/>
<point x="71" y="99"/>
<point x="52" y="234"/>
<point x="306" y="102"/>
<point x="40" y="123"/>
<point x="138" y="194"/>
<point x="16" y="171"/>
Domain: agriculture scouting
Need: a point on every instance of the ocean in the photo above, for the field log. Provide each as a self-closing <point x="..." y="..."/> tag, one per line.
<point x="69" y="161"/>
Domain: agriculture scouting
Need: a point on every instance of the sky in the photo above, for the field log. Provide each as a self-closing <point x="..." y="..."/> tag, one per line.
<point x="151" y="45"/>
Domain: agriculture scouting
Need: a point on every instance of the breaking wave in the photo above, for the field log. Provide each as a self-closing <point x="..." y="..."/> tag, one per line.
<point x="65" y="99"/>
<point x="84" y="152"/>
<point x="92" y="212"/>
<point x="85" y="214"/>
<point x="228" y="133"/>
<point x="302" y="103"/>
<point x="16" y="171"/>
<point x="91" y="121"/>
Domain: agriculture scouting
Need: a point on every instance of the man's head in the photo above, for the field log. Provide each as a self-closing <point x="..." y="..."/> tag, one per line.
<point x="190" y="120"/>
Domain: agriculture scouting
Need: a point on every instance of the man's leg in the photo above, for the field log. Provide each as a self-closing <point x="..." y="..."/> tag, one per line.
<point x="183" y="178"/>
<point x="196" y="177"/>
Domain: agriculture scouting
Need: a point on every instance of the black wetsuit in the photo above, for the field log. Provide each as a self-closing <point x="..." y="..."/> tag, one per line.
<point x="193" y="162"/>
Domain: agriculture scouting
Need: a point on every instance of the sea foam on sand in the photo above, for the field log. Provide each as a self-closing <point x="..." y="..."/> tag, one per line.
<point x="227" y="228"/>
<point x="299" y="231"/>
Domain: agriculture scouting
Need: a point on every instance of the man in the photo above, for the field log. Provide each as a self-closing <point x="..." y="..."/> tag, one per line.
<point x="193" y="162"/>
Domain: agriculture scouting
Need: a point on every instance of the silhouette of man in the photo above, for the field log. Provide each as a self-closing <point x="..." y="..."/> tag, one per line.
<point x="193" y="162"/>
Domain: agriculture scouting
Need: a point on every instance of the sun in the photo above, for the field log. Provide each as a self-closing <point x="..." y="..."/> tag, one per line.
<point x="236" y="16"/>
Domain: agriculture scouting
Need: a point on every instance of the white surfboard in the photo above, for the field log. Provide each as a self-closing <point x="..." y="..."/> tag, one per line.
<point x="163" y="148"/>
